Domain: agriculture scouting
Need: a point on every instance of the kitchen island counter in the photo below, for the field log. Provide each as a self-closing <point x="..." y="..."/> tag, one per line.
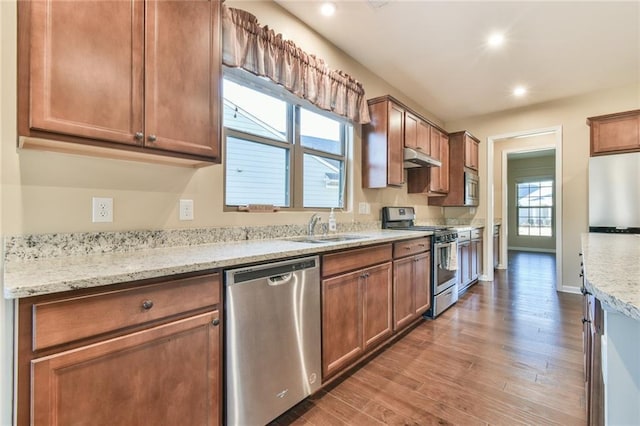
<point x="612" y="270"/>
<point x="27" y="278"/>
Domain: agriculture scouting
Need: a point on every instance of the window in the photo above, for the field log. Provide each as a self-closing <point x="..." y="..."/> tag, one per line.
<point x="535" y="208"/>
<point x="280" y="153"/>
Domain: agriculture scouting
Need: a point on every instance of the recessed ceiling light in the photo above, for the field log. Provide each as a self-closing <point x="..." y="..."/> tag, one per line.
<point x="496" y="40"/>
<point x="519" y="91"/>
<point x="328" y="9"/>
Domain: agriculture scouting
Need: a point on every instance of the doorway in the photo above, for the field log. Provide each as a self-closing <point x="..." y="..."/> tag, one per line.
<point x="522" y="144"/>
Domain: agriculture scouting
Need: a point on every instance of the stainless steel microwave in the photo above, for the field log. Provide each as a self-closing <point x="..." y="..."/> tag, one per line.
<point x="471" y="189"/>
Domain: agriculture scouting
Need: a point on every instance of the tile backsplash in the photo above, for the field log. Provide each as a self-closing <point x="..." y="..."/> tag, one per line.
<point x="41" y="246"/>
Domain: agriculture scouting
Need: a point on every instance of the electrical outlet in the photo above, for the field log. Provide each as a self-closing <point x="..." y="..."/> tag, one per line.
<point x="186" y="209"/>
<point x="364" y="208"/>
<point x="102" y="210"/>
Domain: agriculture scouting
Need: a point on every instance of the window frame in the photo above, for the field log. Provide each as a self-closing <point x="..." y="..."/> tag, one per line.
<point x="293" y="143"/>
<point x="530" y="180"/>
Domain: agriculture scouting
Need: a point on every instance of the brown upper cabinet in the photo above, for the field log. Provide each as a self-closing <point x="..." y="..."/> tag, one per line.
<point x="432" y="181"/>
<point x="393" y="127"/>
<point x="463" y="188"/>
<point x="615" y="133"/>
<point x="383" y="142"/>
<point x="471" y="145"/>
<point x="417" y="133"/>
<point x="140" y="76"/>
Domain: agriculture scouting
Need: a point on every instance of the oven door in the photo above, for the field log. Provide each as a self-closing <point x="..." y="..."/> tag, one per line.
<point x="443" y="277"/>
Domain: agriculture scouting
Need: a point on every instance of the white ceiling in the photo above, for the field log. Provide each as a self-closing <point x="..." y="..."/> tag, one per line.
<point x="435" y="52"/>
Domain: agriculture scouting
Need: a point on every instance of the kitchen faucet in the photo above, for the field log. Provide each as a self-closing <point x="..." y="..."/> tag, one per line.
<point x="312" y="223"/>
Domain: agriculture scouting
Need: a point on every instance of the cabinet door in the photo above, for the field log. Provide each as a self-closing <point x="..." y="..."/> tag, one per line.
<point x="439" y="176"/>
<point x="85" y="68"/>
<point x="435" y="175"/>
<point x="470" y="152"/>
<point x="395" y="145"/>
<point x="182" y="77"/>
<point x="424" y="137"/>
<point x="168" y="374"/>
<point x="404" y="305"/>
<point x="476" y="259"/>
<point x="342" y="339"/>
<point x="410" y="130"/>
<point x="422" y="279"/>
<point x="464" y="263"/>
<point x="444" y="168"/>
<point x="615" y="134"/>
<point x="377" y="320"/>
<point x="496" y="251"/>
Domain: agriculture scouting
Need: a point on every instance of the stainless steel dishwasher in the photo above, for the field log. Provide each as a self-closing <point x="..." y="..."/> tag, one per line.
<point x="272" y="339"/>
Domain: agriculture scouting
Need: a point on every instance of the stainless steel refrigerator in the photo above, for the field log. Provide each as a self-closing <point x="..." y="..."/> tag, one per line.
<point x="614" y="193"/>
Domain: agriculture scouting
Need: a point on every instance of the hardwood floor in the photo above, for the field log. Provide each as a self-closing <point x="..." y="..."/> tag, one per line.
<point x="509" y="352"/>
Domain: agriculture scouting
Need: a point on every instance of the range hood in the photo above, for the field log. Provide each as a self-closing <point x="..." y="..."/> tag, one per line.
<point x="414" y="158"/>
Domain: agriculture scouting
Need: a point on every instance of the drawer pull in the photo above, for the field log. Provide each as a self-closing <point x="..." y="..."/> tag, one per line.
<point x="215" y="321"/>
<point x="584" y="320"/>
<point x="147" y="304"/>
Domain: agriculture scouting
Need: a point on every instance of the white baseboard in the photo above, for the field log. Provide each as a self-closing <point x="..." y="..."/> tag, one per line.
<point x="570" y="289"/>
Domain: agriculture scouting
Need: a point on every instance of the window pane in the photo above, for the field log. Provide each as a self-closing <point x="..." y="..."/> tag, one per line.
<point x="535" y="208"/>
<point x="320" y="133"/>
<point x="323" y="181"/>
<point x="256" y="173"/>
<point x="253" y="112"/>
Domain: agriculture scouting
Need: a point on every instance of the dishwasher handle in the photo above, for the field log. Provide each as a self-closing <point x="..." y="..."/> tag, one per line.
<point x="280" y="279"/>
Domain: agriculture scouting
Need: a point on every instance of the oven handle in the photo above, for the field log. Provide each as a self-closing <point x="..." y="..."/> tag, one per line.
<point x="436" y="256"/>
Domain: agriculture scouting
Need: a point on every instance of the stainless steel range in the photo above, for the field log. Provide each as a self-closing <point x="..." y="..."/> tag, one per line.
<point x="444" y="249"/>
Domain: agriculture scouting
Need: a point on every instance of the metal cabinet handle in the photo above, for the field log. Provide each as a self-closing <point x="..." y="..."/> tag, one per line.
<point x="147" y="304"/>
<point x="584" y="291"/>
<point x="216" y="321"/>
<point x="584" y="320"/>
<point x="139" y="136"/>
<point x="152" y="138"/>
<point x="581" y="274"/>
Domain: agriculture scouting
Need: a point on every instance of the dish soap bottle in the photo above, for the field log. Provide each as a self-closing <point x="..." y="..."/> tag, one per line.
<point x="332" y="221"/>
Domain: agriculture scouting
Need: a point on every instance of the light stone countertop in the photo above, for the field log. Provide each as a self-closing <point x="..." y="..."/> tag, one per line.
<point x="36" y="277"/>
<point x="612" y="270"/>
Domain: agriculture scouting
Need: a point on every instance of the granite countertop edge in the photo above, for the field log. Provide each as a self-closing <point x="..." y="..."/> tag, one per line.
<point x="612" y="271"/>
<point x="46" y="276"/>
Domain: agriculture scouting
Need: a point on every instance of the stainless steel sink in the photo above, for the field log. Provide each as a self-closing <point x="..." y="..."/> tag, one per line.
<point x="320" y="239"/>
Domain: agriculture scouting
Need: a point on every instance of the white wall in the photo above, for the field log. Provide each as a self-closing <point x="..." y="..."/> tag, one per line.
<point x="571" y="114"/>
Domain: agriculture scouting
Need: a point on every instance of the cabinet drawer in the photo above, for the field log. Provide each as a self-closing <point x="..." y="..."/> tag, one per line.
<point x="67" y="320"/>
<point x="350" y="260"/>
<point x="464" y="236"/>
<point x="410" y="247"/>
<point x="476" y="233"/>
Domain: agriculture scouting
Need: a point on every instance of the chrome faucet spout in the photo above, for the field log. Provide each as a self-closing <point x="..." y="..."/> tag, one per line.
<point x="312" y="224"/>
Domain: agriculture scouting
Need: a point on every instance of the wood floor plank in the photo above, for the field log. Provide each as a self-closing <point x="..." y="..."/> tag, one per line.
<point x="509" y="352"/>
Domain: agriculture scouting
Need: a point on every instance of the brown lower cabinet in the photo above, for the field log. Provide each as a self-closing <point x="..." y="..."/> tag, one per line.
<point x="142" y="353"/>
<point x="593" y="329"/>
<point x="470" y="256"/>
<point x="356" y="305"/>
<point x="496" y="246"/>
<point x="411" y="282"/>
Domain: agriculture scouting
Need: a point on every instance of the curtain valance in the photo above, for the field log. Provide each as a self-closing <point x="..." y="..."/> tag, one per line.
<point x="261" y="51"/>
